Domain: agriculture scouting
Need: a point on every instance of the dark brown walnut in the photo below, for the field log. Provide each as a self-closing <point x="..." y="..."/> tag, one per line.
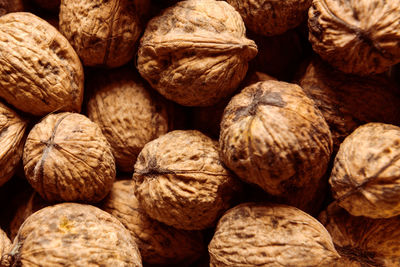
<point x="103" y="33"/>
<point x="271" y="17"/>
<point x="128" y="113"/>
<point x="39" y="70"/>
<point x="5" y="243"/>
<point x="348" y="101"/>
<point x="181" y="181"/>
<point x="8" y="6"/>
<point x="261" y="234"/>
<point x="71" y="234"/>
<point x="360" y="37"/>
<point x="365" y="178"/>
<point x="196" y="52"/>
<point x="48" y="4"/>
<point x="67" y="158"/>
<point x="12" y="133"/>
<point x="272" y="135"/>
<point x="362" y="241"/>
<point x="157" y="242"/>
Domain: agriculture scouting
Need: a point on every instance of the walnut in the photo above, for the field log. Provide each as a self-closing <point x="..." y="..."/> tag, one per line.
<point x="103" y="33"/>
<point x="362" y="241"/>
<point x="272" y="135"/>
<point x="5" y="243"/>
<point x="12" y="133"/>
<point x="67" y="158"/>
<point x="181" y="182"/>
<point x="360" y="37"/>
<point x="128" y="113"/>
<point x="195" y="53"/>
<point x="271" y="17"/>
<point x="71" y="234"/>
<point x="157" y="242"/>
<point x="8" y="6"/>
<point x="270" y="235"/>
<point x="39" y="71"/>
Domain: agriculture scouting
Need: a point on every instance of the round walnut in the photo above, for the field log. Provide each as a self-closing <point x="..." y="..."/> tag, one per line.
<point x="71" y="234"/>
<point x="272" y="135"/>
<point x="270" y="235"/>
<point x="360" y="37"/>
<point x="362" y="241"/>
<point x="5" y="243"/>
<point x="366" y="173"/>
<point x="12" y="132"/>
<point x="67" y="158"/>
<point x="39" y="70"/>
<point x="103" y="33"/>
<point x="128" y="113"/>
<point x="181" y="182"/>
<point x="196" y="52"/>
<point x="271" y="17"/>
<point x="8" y="6"/>
<point x="157" y="242"/>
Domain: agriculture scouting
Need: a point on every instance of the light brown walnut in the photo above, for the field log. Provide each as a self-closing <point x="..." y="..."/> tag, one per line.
<point x="5" y="243"/>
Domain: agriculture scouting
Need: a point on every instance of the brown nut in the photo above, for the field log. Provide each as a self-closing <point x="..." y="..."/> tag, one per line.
<point x="270" y="235"/>
<point x="196" y="52"/>
<point x="8" y="6"/>
<point x="5" y="243"/>
<point x="67" y="158"/>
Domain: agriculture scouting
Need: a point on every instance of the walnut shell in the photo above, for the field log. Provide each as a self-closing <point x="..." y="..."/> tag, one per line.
<point x="39" y="70"/>
<point x="103" y="33"/>
<point x="195" y="53"/>
<point x="67" y="158"/>
<point x="71" y="234"/>
<point x="157" y="242"/>
<point x="260" y="234"/>
<point x="181" y="182"/>
<point x="272" y="135"/>
<point x="360" y="37"/>
<point x="12" y="133"/>
<point x="5" y="243"/>
<point x="8" y="6"/>
<point x="362" y="241"/>
<point x="128" y="113"/>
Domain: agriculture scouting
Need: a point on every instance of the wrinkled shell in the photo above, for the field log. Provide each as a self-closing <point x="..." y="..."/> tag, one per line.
<point x="67" y="158"/>
<point x="48" y="4"/>
<point x="271" y="17"/>
<point x="5" y="243"/>
<point x="8" y="6"/>
<point x="366" y="174"/>
<point x="357" y="36"/>
<point x="181" y="182"/>
<point x="128" y="113"/>
<point x="103" y="33"/>
<point x="39" y="70"/>
<point x="347" y="101"/>
<point x="362" y="241"/>
<point x="157" y="242"/>
<point x="71" y="234"/>
<point x="12" y="132"/>
<point x="272" y="135"/>
<point x="196" y="52"/>
<point x="270" y="235"/>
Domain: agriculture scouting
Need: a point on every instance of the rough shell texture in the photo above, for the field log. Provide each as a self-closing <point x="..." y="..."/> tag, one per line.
<point x="157" y="242"/>
<point x="365" y="178"/>
<point x="39" y="70"/>
<point x="270" y="235"/>
<point x="67" y="158"/>
<point x="356" y="36"/>
<point x="7" y="6"/>
<point x="196" y="52"/>
<point x="272" y="135"/>
<point x="271" y="17"/>
<point x="71" y="234"/>
<point x="12" y="133"/>
<point x="362" y="241"/>
<point x="348" y="101"/>
<point x="128" y="113"/>
<point x="5" y="243"/>
<point x="181" y="181"/>
<point x="103" y="33"/>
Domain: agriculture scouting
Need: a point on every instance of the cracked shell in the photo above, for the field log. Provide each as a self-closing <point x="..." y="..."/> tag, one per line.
<point x="5" y="243"/>
<point x="270" y="235"/>
<point x="358" y="36"/>
<point x="195" y="53"/>
<point x="67" y="158"/>
<point x="8" y="6"/>
<point x="181" y="182"/>
<point x="71" y="234"/>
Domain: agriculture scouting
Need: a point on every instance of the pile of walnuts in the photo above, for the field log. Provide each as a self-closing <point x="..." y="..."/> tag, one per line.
<point x="199" y="133"/>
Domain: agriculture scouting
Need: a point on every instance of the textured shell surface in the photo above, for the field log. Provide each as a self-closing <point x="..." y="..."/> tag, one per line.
<point x="5" y="243"/>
